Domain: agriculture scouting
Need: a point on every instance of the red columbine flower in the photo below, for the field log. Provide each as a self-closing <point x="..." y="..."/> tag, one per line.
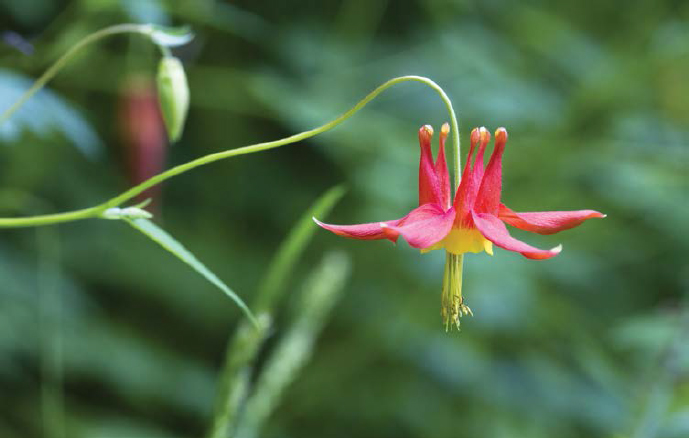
<point x="472" y="222"/>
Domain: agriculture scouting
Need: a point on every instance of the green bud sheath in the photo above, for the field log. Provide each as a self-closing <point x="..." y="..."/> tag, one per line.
<point x="173" y="95"/>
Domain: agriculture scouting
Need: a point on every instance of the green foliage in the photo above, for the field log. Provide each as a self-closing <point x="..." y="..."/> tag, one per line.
<point x="245" y="343"/>
<point x="296" y="345"/>
<point x="161" y="237"/>
<point x="44" y="115"/>
<point x="594" y="96"/>
<point x="290" y="252"/>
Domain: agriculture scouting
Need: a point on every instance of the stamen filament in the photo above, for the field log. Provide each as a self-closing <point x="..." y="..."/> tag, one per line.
<point x="452" y="301"/>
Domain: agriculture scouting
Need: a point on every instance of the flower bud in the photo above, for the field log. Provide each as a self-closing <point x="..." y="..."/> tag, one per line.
<point x="142" y="130"/>
<point x="173" y="95"/>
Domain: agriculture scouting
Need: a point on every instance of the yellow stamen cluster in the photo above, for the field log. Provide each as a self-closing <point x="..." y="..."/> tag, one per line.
<point x="456" y="243"/>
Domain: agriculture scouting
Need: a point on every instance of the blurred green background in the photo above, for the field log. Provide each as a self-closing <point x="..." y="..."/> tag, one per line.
<point x="593" y="343"/>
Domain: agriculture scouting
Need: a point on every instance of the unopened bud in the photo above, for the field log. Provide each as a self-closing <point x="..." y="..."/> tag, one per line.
<point x="173" y="95"/>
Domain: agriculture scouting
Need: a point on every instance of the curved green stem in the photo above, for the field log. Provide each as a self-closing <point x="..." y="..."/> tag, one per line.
<point x="50" y="219"/>
<point x="96" y="211"/>
<point x="57" y="66"/>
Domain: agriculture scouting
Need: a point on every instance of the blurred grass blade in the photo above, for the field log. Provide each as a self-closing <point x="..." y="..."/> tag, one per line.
<point x="234" y="381"/>
<point x="319" y="295"/>
<point x="244" y="345"/>
<point x="292" y="248"/>
<point x="161" y="237"/>
<point x="50" y="324"/>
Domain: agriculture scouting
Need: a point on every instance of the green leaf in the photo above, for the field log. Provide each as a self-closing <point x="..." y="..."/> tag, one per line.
<point x="168" y="242"/>
<point x="171" y="36"/>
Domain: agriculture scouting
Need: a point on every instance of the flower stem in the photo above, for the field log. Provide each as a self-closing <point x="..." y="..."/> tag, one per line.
<point x="57" y="66"/>
<point x="50" y="219"/>
<point x="96" y="211"/>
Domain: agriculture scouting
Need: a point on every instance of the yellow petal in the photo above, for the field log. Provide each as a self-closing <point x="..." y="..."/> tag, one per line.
<point x="462" y="240"/>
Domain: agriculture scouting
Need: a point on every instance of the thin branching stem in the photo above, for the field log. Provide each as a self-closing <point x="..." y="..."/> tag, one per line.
<point x="95" y="212"/>
<point x="60" y="63"/>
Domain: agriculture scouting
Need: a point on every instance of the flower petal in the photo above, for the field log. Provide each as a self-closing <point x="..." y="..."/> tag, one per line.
<point x="488" y="197"/>
<point x="546" y="222"/>
<point x="494" y="230"/>
<point x="429" y="189"/>
<point x="470" y="182"/>
<point x="479" y="169"/>
<point x="425" y="226"/>
<point x="369" y="231"/>
<point x="441" y="169"/>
